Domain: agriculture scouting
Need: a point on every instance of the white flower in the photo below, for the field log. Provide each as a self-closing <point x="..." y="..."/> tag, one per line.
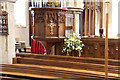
<point x="73" y="39"/>
<point x="65" y="39"/>
<point x="68" y="42"/>
<point x="83" y="45"/>
<point x="73" y="47"/>
<point x="72" y="43"/>
<point x="74" y="34"/>
<point x="79" y="37"/>
<point x="67" y="45"/>
<point x="63" y="49"/>
<point x="80" y="41"/>
<point x="79" y="48"/>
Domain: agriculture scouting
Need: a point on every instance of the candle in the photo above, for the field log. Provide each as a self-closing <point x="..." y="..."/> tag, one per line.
<point x="40" y="3"/>
<point x="4" y="5"/>
<point x="37" y="5"/>
<point x="32" y="3"/>
<point x="107" y="3"/>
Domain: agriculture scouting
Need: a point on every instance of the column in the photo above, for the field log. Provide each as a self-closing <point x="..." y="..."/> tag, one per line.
<point x="90" y="20"/>
<point x="93" y="29"/>
<point x="74" y="22"/>
<point x="101" y="13"/>
<point x="86" y="12"/>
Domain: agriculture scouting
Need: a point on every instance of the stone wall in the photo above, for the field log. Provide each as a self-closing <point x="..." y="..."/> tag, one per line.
<point x="7" y="43"/>
<point x="23" y="31"/>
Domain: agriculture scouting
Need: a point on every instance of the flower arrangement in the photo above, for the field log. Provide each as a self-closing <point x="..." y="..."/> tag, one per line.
<point x="73" y="43"/>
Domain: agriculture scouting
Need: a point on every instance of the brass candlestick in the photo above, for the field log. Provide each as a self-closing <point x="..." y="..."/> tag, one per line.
<point x="106" y="42"/>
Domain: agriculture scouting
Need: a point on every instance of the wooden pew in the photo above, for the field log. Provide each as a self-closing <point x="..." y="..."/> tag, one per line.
<point x="69" y="58"/>
<point x="51" y="72"/>
<point x="10" y="78"/>
<point x="95" y="64"/>
<point x="67" y="64"/>
<point x="59" y="67"/>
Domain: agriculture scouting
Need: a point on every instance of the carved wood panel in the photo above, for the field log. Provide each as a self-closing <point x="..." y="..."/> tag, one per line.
<point x="49" y="25"/>
<point x="51" y="21"/>
<point x="39" y="16"/>
<point x="61" y="18"/>
<point x="95" y="48"/>
<point x="61" y="25"/>
<point x="39" y="23"/>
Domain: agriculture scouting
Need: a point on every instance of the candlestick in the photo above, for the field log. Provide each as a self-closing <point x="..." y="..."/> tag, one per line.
<point x="32" y="3"/>
<point x="106" y="42"/>
<point x="107" y="5"/>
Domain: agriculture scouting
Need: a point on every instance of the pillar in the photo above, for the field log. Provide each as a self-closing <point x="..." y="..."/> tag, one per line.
<point x="86" y="17"/>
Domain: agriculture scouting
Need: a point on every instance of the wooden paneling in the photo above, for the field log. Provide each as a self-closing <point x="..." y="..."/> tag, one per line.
<point x="42" y="21"/>
<point x="51" y="16"/>
<point x="95" y="47"/>
<point x="49" y="27"/>
<point x="39" y="23"/>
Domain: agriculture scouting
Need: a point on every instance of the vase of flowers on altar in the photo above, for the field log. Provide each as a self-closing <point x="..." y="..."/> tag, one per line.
<point x="73" y="45"/>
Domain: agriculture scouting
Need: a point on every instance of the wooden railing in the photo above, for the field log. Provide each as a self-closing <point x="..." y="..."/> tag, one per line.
<point x="95" y="48"/>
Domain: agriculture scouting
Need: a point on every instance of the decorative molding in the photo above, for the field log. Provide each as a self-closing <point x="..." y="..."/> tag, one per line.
<point x="61" y="19"/>
<point x="52" y="19"/>
<point x="11" y="1"/>
<point x="51" y="25"/>
<point x="52" y="16"/>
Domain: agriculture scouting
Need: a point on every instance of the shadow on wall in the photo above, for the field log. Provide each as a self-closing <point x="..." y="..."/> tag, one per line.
<point x="22" y="33"/>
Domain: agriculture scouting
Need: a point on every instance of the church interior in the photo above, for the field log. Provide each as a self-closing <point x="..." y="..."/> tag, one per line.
<point x="59" y="40"/>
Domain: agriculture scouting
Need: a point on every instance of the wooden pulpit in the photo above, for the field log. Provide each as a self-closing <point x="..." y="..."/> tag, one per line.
<point x="49" y="27"/>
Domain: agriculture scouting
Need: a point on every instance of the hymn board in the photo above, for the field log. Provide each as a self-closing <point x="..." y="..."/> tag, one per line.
<point x="49" y="26"/>
<point x="3" y="23"/>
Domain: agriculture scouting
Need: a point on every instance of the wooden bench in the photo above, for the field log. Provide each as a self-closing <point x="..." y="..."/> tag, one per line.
<point x="69" y="58"/>
<point x="51" y="72"/>
<point x="67" y="64"/>
<point x="37" y="66"/>
<point x="10" y="78"/>
<point x="93" y="64"/>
